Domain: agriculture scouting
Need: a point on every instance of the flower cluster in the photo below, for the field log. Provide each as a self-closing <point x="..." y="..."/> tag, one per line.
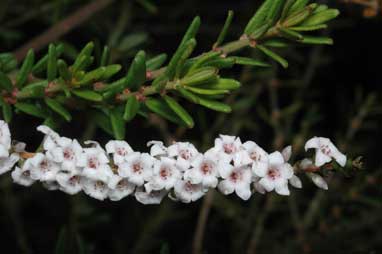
<point x="178" y="171"/>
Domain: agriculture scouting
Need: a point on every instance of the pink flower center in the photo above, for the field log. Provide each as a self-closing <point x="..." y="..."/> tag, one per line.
<point x="68" y="154"/>
<point x="93" y="163"/>
<point x="99" y="184"/>
<point x="26" y="173"/>
<point x="185" y="154"/>
<point x="121" y="151"/>
<point x="229" y="148"/>
<point x="235" y="176"/>
<point x="44" y="166"/>
<point x="122" y="184"/>
<point x="164" y="173"/>
<point x="325" y="150"/>
<point x="273" y="173"/>
<point x="255" y="156"/>
<point x="206" y="168"/>
<point x="137" y="167"/>
<point x="189" y="187"/>
<point x="74" y="180"/>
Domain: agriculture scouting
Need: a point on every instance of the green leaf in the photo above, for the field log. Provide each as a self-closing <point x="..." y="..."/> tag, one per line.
<point x="206" y="91"/>
<point x="131" y="108"/>
<point x="224" y="30"/>
<point x="289" y="34"/>
<point x="275" y="11"/>
<point x="182" y="50"/>
<point x="191" y="31"/>
<point x="276" y="43"/>
<point x="7" y="112"/>
<point x="31" y="109"/>
<point x="5" y="82"/>
<point x="58" y="108"/>
<point x="117" y="124"/>
<point x="136" y="75"/>
<point x="156" y="62"/>
<point x="110" y="71"/>
<point x="221" y="63"/>
<point x="25" y="69"/>
<point x="34" y="90"/>
<point x="317" y="40"/>
<point x="200" y="61"/>
<point x="298" y="5"/>
<point x="258" y="19"/>
<point x="84" y="54"/>
<point x="91" y="76"/>
<point x="162" y="109"/>
<point x="182" y="60"/>
<point x="42" y="64"/>
<point x="105" y="57"/>
<point x="180" y="111"/>
<point x="82" y="62"/>
<point x="308" y="28"/>
<point x="63" y="70"/>
<point x="8" y="62"/>
<point x="103" y="122"/>
<point x="52" y="63"/>
<point x="261" y="30"/>
<point x="298" y="17"/>
<point x="200" y="76"/>
<point x="286" y="9"/>
<point x="214" y="105"/>
<point x="321" y="17"/>
<point x="250" y="61"/>
<point x="87" y="95"/>
<point x="223" y="84"/>
<point x="273" y="55"/>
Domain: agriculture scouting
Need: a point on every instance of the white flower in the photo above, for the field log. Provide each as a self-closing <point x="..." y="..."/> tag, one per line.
<point x="287" y="153"/>
<point x="149" y="198"/>
<point x="325" y="151"/>
<point x="67" y="153"/>
<point x="95" y="164"/>
<point x="295" y="182"/>
<point x="204" y="170"/>
<point x="5" y="139"/>
<point x="226" y="147"/>
<point x="22" y="176"/>
<point x="137" y="168"/>
<point x="7" y="163"/>
<point x="165" y="174"/>
<point x="187" y="192"/>
<point x="41" y="168"/>
<point x="119" y="188"/>
<point x="318" y="180"/>
<point x="276" y="175"/>
<point x="70" y="182"/>
<point x="95" y="188"/>
<point x="157" y="148"/>
<point x="258" y="156"/>
<point x="184" y="152"/>
<point x="119" y="149"/>
<point x="236" y="179"/>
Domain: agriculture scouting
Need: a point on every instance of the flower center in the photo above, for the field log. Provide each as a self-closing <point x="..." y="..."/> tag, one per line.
<point x="26" y="173"/>
<point x="235" y="176"/>
<point x="122" y="184"/>
<point x="189" y="187"/>
<point x="273" y="173"/>
<point x="255" y="156"/>
<point x="229" y="148"/>
<point x="325" y="149"/>
<point x="121" y="151"/>
<point x="206" y="168"/>
<point x="185" y="154"/>
<point x="68" y="154"/>
<point x="137" y="167"/>
<point x="164" y="173"/>
<point x="44" y="166"/>
<point x="74" y="180"/>
<point x="99" y="185"/>
<point x="93" y="163"/>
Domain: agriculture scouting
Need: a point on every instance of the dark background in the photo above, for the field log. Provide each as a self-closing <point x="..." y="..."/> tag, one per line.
<point x="332" y="91"/>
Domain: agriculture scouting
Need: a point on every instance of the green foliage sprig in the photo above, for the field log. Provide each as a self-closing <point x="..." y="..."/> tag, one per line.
<point x="51" y="88"/>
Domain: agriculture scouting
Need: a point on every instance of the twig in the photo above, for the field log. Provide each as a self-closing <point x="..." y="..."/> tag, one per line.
<point x="62" y="27"/>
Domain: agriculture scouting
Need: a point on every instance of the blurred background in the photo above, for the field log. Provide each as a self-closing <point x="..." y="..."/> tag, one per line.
<point x="332" y="91"/>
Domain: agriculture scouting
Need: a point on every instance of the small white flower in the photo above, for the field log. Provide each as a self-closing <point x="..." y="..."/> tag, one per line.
<point x="226" y="147"/>
<point x="236" y="179"/>
<point x="295" y="182"/>
<point x="204" y="170"/>
<point x="165" y="174"/>
<point x="149" y="198"/>
<point x="7" y="163"/>
<point x="325" y="151"/>
<point x="258" y="156"/>
<point x="5" y="139"/>
<point x="184" y="152"/>
<point x="187" y="192"/>
<point x="22" y="176"/>
<point x="157" y="148"/>
<point x="137" y="168"/>
<point x="95" y="188"/>
<point x="95" y="164"/>
<point x="67" y="153"/>
<point x="70" y="182"/>
<point x="276" y="175"/>
<point x="41" y="168"/>
<point x="318" y="180"/>
<point x="119" y="149"/>
<point x="119" y="188"/>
